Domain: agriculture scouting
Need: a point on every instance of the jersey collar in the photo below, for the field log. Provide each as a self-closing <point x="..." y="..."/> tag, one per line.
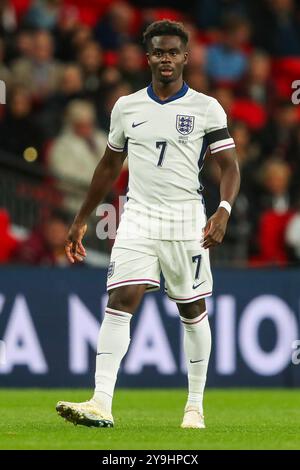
<point x="183" y="90"/>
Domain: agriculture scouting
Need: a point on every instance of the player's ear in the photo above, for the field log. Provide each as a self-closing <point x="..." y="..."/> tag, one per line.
<point x="148" y="57"/>
<point x="186" y="57"/>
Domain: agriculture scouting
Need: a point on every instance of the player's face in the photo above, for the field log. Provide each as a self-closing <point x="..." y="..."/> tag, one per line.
<point x="167" y="57"/>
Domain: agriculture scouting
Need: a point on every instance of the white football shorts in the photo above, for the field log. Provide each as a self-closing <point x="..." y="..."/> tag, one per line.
<point x="185" y="266"/>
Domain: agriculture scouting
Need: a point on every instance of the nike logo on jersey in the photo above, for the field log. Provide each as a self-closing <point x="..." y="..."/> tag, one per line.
<point x="193" y="362"/>
<point x="138" y="124"/>
<point x="99" y="354"/>
<point x="195" y="287"/>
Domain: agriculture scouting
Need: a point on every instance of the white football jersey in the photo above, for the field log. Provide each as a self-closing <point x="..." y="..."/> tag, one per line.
<point x="166" y="142"/>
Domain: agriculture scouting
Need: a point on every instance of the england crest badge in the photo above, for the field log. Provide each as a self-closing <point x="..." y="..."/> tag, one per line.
<point x="185" y="124"/>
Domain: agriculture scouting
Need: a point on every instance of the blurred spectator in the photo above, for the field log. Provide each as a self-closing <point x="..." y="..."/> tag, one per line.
<point x="45" y="245"/>
<point x="115" y="28"/>
<point x="91" y="63"/>
<point x="81" y="35"/>
<point x="292" y="235"/>
<point x="71" y="87"/>
<point x="227" y="61"/>
<point x="69" y="34"/>
<point x="279" y="134"/>
<point x="194" y="73"/>
<point x="77" y="150"/>
<point x="243" y="221"/>
<point x="19" y="129"/>
<point x="277" y="27"/>
<point x="225" y="97"/>
<point x="274" y="214"/>
<point x="23" y="45"/>
<point x="293" y="158"/>
<point x="41" y="72"/>
<point x="234" y="249"/>
<point x="8" y="243"/>
<point x="197" y="80"/>
<point x="275" y="178"/>
<point x="197" y="57"/>
<point x="43" y="14"/>
<point x="5" y="73"/>
<point x="131" y="65"/>
<point x="111" y="76"/>
<point x="209" y="13"/>
<point x="8" y="18"/>
<point x="71" y="83"/>
<point x="247" y="153"/>
<point x="257" y="84"/>
<point x="112" y="95"/>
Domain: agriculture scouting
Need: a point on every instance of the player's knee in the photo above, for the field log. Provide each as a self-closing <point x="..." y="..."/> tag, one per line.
<point x="193" y="309"/>
<point x="123" y="302"/>
<point x="125" y="299"/>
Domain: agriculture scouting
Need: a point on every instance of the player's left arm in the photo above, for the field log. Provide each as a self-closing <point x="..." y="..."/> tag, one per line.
<point x="216" y="225"/>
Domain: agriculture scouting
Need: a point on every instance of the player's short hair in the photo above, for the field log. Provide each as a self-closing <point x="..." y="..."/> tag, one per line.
<point x="165" y="28"/>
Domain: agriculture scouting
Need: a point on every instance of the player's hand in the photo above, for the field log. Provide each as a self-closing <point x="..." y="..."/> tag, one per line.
<point x="215" y="228"/>
<point x="73" y="246"/>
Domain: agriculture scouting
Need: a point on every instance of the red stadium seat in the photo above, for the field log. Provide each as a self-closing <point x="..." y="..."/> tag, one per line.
<point x="91" y="11"/>
<point x="249" y="112"/>
<point x="288" y="66"/>
<point x="271" y="239"/>
<point x="8" y="242"/>
<point x="169" y="13"/>
<point x="20" y="7"/>
<point x="111" y="58"/>
<point x="285" y="71"/>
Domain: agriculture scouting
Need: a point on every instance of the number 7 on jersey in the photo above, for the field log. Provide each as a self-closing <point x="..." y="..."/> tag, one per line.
<point x="163" y="145"/>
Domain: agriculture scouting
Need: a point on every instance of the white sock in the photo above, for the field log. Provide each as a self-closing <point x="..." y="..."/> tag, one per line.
<point x="197" y="346"/>
<point x="113" y="342"/>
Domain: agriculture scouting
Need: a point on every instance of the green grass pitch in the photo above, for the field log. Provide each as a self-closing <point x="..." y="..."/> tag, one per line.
<point x="150" y="419"/>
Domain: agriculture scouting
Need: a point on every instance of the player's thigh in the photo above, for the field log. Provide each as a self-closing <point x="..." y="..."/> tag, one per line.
<point x="133" y="263"/>
<point x="186" y="269"/>
<point x="126" y="298"/>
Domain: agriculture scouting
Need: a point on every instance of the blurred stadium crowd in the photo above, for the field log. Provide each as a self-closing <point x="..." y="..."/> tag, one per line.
<point x="66" y="62"/>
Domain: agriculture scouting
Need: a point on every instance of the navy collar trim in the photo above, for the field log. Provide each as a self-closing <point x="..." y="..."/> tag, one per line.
<point x="183" y="90"/>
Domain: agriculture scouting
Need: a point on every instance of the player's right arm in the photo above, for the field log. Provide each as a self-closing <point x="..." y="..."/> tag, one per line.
<point x="106" y="172"/>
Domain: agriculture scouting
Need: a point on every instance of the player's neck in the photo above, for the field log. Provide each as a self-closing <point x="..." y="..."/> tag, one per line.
<point x="165" y="90"/>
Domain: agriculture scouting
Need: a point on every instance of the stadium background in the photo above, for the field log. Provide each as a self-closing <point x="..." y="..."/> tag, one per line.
<point x="64" y="64"/>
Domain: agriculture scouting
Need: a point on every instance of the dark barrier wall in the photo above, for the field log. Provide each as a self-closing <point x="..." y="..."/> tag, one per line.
<point x="49" y="320"/>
